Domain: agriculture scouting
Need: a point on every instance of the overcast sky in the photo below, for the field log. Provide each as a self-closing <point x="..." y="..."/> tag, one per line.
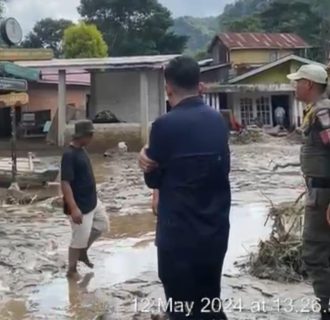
<point x="27" y="12"/>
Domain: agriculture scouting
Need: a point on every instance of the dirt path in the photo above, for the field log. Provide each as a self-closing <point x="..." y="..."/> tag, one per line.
<point x="34" y="238"/>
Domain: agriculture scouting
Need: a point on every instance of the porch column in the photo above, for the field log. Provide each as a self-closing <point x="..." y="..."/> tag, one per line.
<point x="61" y="107"/>
<point x="93" y="96"/>
<point x="144" y="107"/>
<point x="162" y="98"/>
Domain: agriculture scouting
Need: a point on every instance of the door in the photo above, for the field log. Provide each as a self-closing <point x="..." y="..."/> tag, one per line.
<point x="282" y="101"/>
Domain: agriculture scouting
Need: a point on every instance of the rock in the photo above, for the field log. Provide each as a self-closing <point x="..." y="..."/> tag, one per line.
<point x="106" y="116"/>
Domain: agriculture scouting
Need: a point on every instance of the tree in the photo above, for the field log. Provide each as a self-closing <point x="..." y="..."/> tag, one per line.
<point x="133" y="27"/>
<point x="47" y="33"/>
<point x="247" y="24"/>
<point x="84" y="41"/>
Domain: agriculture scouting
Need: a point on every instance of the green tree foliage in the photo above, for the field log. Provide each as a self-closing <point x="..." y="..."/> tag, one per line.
<point x="136" y="27"/>
<point x="47" y="33"/>
<point x="246" y="24"/>
<point x="84" y="41"/>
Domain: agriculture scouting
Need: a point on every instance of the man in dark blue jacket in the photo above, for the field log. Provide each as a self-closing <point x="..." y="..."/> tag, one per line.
<point x="188" y="160"/>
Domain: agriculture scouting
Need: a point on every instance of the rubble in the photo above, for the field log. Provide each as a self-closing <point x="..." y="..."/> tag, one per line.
<point x="279" y="257"/>
<point x="247" y="136"/>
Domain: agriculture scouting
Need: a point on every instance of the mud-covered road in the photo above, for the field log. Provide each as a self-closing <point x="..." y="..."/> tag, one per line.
<point x="124" y="285"/>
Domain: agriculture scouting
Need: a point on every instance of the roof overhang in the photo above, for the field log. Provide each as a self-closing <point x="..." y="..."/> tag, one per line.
<point x="215" y="67"/>
<point x="111" y="63"/>
<point x="249" y="88"/>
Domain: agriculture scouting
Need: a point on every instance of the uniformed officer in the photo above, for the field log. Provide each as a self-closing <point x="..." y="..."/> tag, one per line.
<point x="188" y="161"/>
<point x="311" y="84"/>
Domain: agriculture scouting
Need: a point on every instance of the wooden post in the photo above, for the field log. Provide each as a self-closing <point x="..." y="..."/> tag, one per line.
<point x="162" y="98"/>
<point x="61" y="107"/>
<point x="13" y="148"/>
<point x="144" y="107"/>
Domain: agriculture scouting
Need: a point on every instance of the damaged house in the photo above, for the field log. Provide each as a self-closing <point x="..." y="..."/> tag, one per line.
<point x="247" y="76"/>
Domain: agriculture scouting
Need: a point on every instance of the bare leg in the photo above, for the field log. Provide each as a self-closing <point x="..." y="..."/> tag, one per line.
<point x="95" y="234"/>
<point x="74" y="255"/>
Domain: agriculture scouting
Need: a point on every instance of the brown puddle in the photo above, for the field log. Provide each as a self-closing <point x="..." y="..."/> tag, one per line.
<point x="128" y="251"/>
<point x="128" y="255"/>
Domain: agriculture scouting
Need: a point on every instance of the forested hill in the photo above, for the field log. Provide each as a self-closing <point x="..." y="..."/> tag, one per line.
<point x="199" y="30"/>
<point x="308" y="18"/>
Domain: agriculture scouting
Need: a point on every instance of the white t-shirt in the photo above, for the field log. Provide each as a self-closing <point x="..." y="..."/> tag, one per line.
<point x="279" y="112"/>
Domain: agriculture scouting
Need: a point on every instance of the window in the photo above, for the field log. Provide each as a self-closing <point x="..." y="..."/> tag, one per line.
<point x="264" y="110"/>
<point x="246" y="108"/>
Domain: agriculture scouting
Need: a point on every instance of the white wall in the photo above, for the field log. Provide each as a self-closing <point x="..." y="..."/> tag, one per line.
<point x="119" y="92"/>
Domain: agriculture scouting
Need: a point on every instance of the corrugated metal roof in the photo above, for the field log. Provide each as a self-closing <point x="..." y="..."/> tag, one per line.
<point x="152" y="62"/>
<point x="262" y="40"/>
<point x="82" y="79"/>
<point x="215" y="67"/>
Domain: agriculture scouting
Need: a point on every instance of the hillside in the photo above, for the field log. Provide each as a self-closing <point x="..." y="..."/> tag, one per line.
<point x="199" y="30"/>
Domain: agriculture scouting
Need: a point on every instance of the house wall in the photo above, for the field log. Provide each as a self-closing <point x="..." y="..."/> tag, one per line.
<point x="295" y="108"/>
<point x="257" y="56"/>
<point x="119" y="92"/>
<point x="220" y="75"/>
<point x="276" y="75"/>
<point x="220" y="53"/>
<point x="45" y="97"/>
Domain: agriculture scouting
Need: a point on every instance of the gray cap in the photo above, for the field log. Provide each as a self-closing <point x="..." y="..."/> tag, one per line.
<point x="83" y="128"/>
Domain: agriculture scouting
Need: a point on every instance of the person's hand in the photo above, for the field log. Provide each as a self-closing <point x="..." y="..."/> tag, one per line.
<point x="76" y="216"/>
<point x="328" y="215"/>
<point x="154" y="205"/>
<point x="145" y="163"/>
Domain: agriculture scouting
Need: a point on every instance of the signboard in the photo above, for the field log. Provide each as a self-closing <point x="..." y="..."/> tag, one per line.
<point x="9" y="84"/>
<point x="21" y="54"/>
<point x="12" y="69"/>
<point x="13" y="99"/>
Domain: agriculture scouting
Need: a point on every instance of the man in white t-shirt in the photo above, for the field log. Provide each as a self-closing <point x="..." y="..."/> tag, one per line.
<point x="280" y="116"/>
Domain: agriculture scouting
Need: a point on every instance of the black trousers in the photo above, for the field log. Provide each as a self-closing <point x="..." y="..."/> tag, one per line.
<point x="193" y="277"/>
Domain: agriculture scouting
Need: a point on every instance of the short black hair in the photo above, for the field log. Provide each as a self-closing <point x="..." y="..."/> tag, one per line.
<point x="183" y="72"/>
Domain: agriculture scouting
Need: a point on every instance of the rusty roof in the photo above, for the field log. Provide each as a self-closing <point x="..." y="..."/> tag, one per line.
<point x="250" y="40"/>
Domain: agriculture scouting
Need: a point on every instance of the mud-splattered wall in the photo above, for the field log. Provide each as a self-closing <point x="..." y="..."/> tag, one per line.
<point x="120" y="92"/>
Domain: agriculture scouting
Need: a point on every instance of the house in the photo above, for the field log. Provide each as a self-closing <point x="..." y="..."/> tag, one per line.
<point x="255" y="94"/>
<point x="43" y="99"/>
<point x="130" y="87"/>
<point x="246" y="51"/>
<point x="43" y="94"/>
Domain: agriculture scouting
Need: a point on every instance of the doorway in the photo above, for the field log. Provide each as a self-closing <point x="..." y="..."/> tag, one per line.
<point x="282" y="101"/>
<point x="5" y="121"/>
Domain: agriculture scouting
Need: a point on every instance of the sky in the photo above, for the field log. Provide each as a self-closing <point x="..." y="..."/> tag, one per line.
<point x="28" y="12"/>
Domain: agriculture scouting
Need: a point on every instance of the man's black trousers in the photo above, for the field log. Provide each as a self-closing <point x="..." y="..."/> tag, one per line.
<point x="193" y="276"/>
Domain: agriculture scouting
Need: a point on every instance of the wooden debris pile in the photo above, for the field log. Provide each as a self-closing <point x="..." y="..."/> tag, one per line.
<point x="247" y="136"/>
<point x="279" y="258"/>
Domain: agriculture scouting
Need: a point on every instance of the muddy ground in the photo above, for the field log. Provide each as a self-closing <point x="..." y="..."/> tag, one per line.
<point x="124" y="284"/>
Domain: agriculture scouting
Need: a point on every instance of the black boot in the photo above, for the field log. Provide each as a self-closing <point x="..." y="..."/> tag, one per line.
<point x="223" y="315"/>
<point x="325" y="308"/>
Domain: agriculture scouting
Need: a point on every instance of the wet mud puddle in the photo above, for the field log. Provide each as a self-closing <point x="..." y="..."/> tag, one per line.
<point x="125" y="260"/>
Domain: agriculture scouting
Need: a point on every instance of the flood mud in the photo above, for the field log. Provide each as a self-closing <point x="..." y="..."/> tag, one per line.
<point x="34" y="239"/>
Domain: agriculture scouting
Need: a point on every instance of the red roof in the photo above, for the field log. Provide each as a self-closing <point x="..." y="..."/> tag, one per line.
<point x="262" y="41"/>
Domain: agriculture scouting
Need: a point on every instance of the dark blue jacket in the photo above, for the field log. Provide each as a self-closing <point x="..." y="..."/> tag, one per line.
<point x="190" y="144"/>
